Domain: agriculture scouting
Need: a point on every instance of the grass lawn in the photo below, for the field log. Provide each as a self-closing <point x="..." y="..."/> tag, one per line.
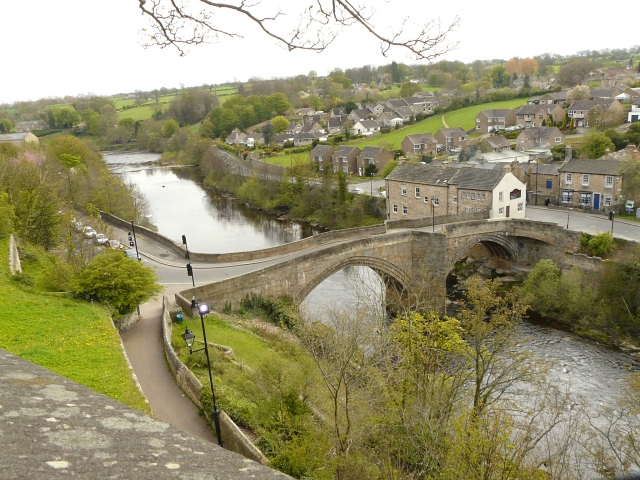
<point x="137" y="113"/>
<point x="74" y="339"/>
<point x="466" y="117"/>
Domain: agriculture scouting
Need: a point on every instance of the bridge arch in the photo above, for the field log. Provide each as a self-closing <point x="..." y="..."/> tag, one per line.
<point x="387" y="270"/>
<point x="498" y="244"/>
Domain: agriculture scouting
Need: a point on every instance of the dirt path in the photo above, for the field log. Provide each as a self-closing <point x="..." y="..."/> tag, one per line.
<point x="444" y="122"/>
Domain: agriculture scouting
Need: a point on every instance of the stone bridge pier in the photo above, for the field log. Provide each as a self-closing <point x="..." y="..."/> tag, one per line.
<point x="413" y="263"/>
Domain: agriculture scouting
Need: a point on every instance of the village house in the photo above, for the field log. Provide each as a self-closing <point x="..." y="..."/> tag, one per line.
<point x="293" y="127"/>
<point x="539" y="137"/>
<point x="30" y="126"/>
<point x="19" y="138"/>
<point x="417" y="191"/>
<point x="495" y="119"/>
<point x="634" y="113"/>
<point x="420" y="144"/>
<point x="366" y="127"/>
<point x="419" y="106"/>
<point x="373" y="156"/>
<point x="389" y="119"/>
<point x="254" y="138"/>
<point x="529" y="116"/>
<point x="335" y="125"/>
<point x="345" y="159"/>
<point x="236" y="137"/>
<point x="542" y="182"/>
<point x="451" y="137"/>
<point x="585" y="112"/>
<point x="497" y="143"/>
<point x="306" y="138"/>
<point x="321" y="155"/>
<point x="360" y="114"/>
<point x="559" y="98"/>
<point x="591" y="184"/>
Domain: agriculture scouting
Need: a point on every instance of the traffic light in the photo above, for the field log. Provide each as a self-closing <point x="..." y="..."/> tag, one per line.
<point x="184" y="239"/>
<point x="611" y="215"/>
<point x="130" y="238"/>
<point x="189" y="270"/>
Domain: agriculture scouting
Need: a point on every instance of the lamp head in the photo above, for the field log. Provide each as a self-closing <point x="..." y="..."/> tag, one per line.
<point x="203" y="309"/>
<point x="188" y="338"/>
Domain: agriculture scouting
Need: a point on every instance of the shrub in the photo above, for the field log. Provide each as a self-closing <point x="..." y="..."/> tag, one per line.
<point x="601" y="244"/>
<point x="283" y="311"/>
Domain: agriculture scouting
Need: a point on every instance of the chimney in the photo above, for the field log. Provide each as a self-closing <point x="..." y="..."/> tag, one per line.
<point x="568" y="153"/>
<point x="606" y="152"/>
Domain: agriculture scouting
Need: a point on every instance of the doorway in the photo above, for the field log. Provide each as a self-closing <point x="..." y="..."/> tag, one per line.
<point x="508" y="208"/>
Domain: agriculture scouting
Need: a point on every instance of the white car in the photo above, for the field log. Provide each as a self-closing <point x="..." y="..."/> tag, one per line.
<point x="357" y="191"/>
<point x="132" y="254"/>
<point x="115" y="244"/>
<point x="101" y="238"/>
<point x="89" y="232"/>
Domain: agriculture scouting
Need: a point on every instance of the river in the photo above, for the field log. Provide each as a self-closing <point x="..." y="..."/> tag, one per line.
<point x="216" y="224"/>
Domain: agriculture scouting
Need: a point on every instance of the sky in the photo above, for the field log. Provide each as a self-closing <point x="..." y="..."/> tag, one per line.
<point x="71" y="47"/>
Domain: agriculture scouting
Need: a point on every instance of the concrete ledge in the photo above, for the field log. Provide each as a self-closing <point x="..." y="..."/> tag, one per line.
<point x="53" y="427"/>
<point x="14" y="257"/>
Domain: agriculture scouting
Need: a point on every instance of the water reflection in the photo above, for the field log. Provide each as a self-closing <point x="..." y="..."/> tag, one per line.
<point x="212" y="223"/>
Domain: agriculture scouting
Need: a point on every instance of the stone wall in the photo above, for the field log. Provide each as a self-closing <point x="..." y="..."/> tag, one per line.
<point x="232" y="436"/>
<point x="440" y="220"/>
<point x="14" y="256"/>
<point x="125" y="323"/>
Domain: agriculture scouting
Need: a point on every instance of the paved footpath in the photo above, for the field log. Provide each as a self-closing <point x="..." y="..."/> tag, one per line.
<point x="145" y="350"/>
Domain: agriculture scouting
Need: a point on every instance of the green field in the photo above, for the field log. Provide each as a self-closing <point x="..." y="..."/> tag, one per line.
<point x="74" y="339"/>
<point x="466" y="117"/>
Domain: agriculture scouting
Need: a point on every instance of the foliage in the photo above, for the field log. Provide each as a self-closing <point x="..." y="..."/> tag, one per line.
<point x="36" y="216"/>
<point x="388" y="168"/>
<point x="118" y="282"/>
<point x="5" y="125"/>
<point x="500" y="77"/>
<point x="595" y="145"/>
<point x="598" y="245"/>
<point x="7" y="215"/>
<point x="55" y="331"/>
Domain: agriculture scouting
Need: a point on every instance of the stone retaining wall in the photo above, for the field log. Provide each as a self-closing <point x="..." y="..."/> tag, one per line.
<point x="14" y="257"/>
<point x="125" y="323"/>
<point x="427" y="221"/>
<point x="232" y="436"/>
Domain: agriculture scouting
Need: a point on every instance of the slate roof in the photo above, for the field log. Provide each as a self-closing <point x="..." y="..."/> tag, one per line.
<point x="544" y="169"/>
<point x="495" y="112"/>
<point x="540" y="132"/>
<point x="589" y="104"/>
<point x="529" y="109"/>
<point x="421" y="138"/>
<point x="467" y="178"/>
<point x="597" y="167"/>
<point x="370" y="152"/>
<point x="451" y="132"/>
<point x="369" y="123"/>
<point x="498" y="142"/>
<point x="321" y="150"/>
<point x="361" y="113"/>
<point x="335" y="122"/>
<point x="12" y="137"/>
<point x="345" y="151"/>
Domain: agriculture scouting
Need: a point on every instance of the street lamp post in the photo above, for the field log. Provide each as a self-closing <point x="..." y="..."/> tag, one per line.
<point x="371" y="182"/>
<point x="190" y="273"/>
<point x="184" y="242"/>
<point x="433" y="210"/>
<point x="135" y="240"/>
<point x="568" y="213"/>
<point x="189" y="338"/>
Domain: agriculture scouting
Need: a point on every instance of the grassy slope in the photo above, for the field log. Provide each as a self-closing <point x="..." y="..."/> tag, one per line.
<point x="466" y="117"/>
<point x="71" y="338"/>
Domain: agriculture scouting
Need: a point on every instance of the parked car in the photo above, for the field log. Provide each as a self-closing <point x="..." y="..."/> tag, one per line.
<point x="77" y="225"/>
<point x="101" y="238"/>
<point x="115" y="244"/>
<point x="89" y="232"/>
<point x="357" y="191"/>
<point x="132" y="254"/>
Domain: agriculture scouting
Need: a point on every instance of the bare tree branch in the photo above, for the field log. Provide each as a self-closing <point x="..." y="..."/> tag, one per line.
<point x="174" y="23"/>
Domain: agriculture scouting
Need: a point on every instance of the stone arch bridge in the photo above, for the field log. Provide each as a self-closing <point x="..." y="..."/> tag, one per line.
<point x="413" y="263"/>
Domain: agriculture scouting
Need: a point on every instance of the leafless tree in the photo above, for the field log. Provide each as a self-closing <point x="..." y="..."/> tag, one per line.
<point x="193" y="22"/>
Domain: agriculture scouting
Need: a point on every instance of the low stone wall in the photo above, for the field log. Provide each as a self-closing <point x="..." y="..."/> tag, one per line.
<point x="14" y="256"/>
<point x="232" y="436"/>
<point x="427" y="221"/>
<point x="125" y="323"/>
<point x="582" y="261"/>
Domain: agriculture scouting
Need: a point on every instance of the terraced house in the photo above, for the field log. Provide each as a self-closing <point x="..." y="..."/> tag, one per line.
<point x="495" y="119"/>
<point x="591" y="184"/>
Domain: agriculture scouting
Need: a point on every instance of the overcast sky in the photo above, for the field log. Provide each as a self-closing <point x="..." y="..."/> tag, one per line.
<point x="69" y="47"/>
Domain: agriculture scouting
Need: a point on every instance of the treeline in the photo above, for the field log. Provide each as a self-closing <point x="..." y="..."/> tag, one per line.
<point x="299" y="194"/>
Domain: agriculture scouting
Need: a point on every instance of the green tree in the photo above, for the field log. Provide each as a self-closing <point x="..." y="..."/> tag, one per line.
<point x="37" y="219"/>
<point x="343" y="191"/>
<point x="407" y="89"/>
<point x="116" y="281"/>
<point x="5" y="125"/>
<point x="267" y="132"/>
<point x="499" y="77"/>
<point x="62" y="117"/>
<point x="633" y="133"/>
<point x="169" y="128"/>
<point x="279" y="123"/>
<point x="277" y="104"/>
<point x="595" y="145"/>
<point x="7" y="215"/>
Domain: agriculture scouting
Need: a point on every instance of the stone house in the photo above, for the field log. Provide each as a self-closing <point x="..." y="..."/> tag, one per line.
<point x="420" y="144"/>
<point x="312" y="127"/>
<point x="529" y="116"/>
<point x="19" y="138"/>
<point x="559" y="98"/>
<point x="321" y="155"/>
<point x="539" y="137"/>
<point x="495" y="119"/>
<point x="253" y="138"/>
<point x="360" y="114"/>
<point x="405" y="113"/>
<point x="591" y="184"/>
<point x="335" y="125"/>
<point x="498" y="143"/>
<point x="30" y="126"/>
<point x="418" y="190"/>
<point x="366" y="127"/>
<point x="389" y="119"/>
<point x="542" y="182"/>
<point x="634" y="113"/>
<point x="301" y="139"/>
<point x="372" y="156"/>
<point x="236" y="137"/>
<point x="345" y="159"/>
<point x="419" y="106"/>
<point x="451" y="137"/>
<point x="293" y="127"/>
<point x="585" y="112"/>
<point x="338" y="113"/>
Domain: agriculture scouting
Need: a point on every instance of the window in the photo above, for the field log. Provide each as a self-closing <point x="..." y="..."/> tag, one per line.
<point x="417" y="192"/>
<point x="585" y="180"/>
<point x="585" y="199"/>
<point x="501" y="196"/>
<point x="320" y="167"/>
<point x="463" y="194"/>
<point x="345" y="169"/>
<point x="426" y="199"/>
<point x="549" y="184"/>
<point x="483" y="197"/>
<point x="607" y="200"/>
<point x="608" y="181"/>
<point x="558" y="139"/>
<point x="436" y="201"/>
<point x="395" y="208"/>
<point x="541" y="117"/>
<point x="404" y="190"/>
<point x="501" y="211"/>
<point x="520" y="206"/>
<point x="335" y="169"/>
<point x="568" y="179"/>
<point x="455" y="200"/>
<point x="473" y="196"/>
<point x="567" y="197"/>
<point x="404" y="209"/>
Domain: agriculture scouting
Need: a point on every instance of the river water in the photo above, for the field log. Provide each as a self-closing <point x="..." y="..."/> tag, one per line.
<point x="216" y="224"/>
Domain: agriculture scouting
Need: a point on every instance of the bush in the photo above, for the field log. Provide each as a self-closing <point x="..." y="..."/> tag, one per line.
<point x="601" y="244"/>
<point x="283" y="311"/>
